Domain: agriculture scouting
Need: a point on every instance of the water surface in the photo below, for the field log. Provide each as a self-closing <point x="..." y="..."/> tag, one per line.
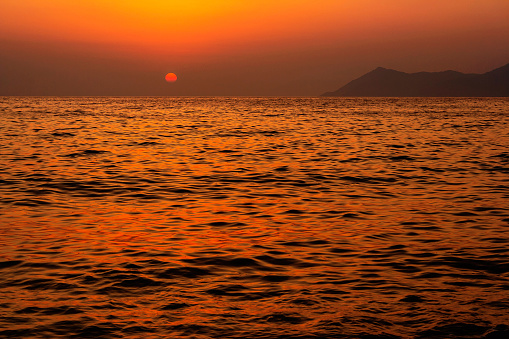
<point x="254" y="218"/>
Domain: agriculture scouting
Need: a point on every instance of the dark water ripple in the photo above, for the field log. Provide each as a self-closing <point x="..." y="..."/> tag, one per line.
<point x="254" y="218"/>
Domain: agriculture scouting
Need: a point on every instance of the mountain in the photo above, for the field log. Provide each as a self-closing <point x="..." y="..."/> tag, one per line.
<point x="383" y="82"/>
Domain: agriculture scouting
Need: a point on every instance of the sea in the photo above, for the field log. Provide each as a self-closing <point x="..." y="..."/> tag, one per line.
<point x="219" y="217"/>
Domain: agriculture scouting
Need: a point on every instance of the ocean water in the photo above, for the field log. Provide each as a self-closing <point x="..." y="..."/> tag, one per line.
<point x="254" y="218"/>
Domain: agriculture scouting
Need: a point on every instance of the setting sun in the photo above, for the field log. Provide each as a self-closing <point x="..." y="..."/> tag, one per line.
<point x="171" y="77"/>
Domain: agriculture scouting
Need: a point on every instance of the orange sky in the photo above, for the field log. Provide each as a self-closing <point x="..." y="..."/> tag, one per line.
<point x="231" y="47"/>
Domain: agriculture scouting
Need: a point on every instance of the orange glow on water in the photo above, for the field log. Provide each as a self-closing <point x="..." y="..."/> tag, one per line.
<point x="283" y="216"/>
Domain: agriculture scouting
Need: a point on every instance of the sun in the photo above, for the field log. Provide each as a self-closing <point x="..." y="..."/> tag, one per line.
<point x="171" y="77"/>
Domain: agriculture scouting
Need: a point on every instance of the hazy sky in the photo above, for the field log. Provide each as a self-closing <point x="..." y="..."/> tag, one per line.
<point x="237" y="47"/>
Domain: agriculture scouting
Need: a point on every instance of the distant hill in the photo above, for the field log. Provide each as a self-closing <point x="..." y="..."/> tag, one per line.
<point x="383" y="82"/>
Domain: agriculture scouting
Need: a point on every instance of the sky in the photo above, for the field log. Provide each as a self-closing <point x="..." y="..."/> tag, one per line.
<point x="236" y="47"/>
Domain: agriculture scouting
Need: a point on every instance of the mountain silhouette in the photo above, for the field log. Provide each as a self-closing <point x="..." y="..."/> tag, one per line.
<point x="383" y="82"/>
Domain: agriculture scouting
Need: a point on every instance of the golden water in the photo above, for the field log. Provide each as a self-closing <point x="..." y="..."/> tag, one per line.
<point x="254" y="218"/>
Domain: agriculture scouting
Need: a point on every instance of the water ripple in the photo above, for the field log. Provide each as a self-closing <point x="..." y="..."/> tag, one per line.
<point x="254" y="217"/>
